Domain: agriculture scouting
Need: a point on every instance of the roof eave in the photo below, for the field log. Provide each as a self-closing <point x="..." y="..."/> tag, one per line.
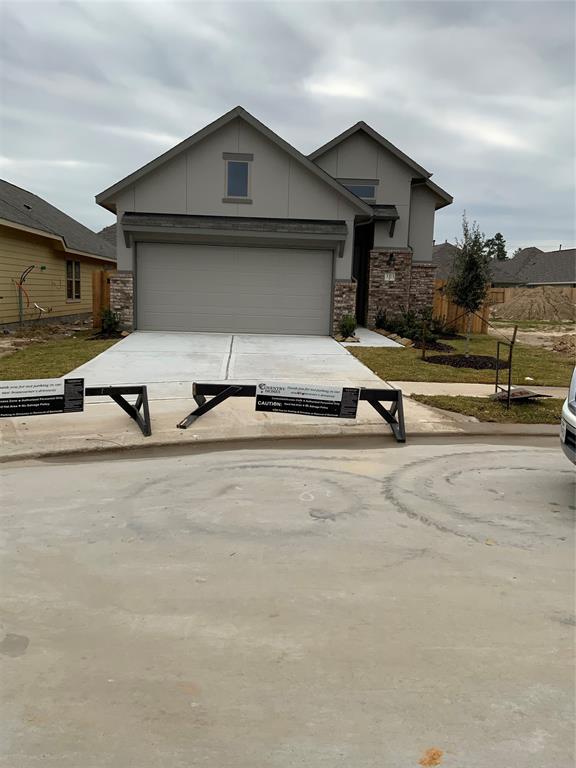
<point x="58" y="238"/>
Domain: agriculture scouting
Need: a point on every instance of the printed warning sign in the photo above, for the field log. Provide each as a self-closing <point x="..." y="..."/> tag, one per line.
<point x="36" y="397"/>
<point x="307" y="399"/>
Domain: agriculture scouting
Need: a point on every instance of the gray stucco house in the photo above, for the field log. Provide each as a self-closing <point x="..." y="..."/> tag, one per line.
<point x="235" y="230"/>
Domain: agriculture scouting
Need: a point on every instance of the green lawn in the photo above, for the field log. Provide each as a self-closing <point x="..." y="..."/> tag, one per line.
<point x="52" y="358"/>
<point x="544" y="411"/>
<point x="394" y="364"/>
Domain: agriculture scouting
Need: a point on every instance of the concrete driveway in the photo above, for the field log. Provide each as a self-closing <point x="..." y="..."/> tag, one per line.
<point x="169" y="362"/>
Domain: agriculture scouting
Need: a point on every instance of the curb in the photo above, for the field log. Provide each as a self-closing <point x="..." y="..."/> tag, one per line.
<point x="465" y="429"/>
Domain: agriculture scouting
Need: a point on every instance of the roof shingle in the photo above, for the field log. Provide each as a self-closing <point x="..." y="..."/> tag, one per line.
<point x="22" y="207"/>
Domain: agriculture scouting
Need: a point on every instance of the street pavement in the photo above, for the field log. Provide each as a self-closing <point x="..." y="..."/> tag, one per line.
<point x="350" y="604"/>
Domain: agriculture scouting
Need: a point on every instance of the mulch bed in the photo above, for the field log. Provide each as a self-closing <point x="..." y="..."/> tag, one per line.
<point x="478" y="362"/>
<point x="434" y="346"/>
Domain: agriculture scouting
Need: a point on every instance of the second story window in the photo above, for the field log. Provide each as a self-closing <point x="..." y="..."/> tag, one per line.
<point x="362" y="188"/>
<point x="238" y="177"/>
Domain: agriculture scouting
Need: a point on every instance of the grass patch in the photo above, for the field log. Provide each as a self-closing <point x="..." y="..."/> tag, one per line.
<point x="52" y="359"/>
<point x="546" y="367"/>
<point x="544" y="411"/>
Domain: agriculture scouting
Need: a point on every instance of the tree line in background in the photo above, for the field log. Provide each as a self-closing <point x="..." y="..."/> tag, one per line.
<point x="496" y="247"/>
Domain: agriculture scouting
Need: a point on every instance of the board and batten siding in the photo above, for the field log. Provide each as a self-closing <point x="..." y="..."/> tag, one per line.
<point x="46" y="287"/>
<point x="421" y="232"/>
<point x="360" y="157"/>
<point x="194" y="183"/>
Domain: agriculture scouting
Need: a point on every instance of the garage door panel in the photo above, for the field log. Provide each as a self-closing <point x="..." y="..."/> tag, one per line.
<point x="216" y="288"/>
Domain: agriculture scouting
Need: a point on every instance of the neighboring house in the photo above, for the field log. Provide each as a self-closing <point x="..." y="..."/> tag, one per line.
<point x="109" y="234"/>
<point x="62" y="252"/>
<point x="530" y="267"/>
<point x="235" y="230"/>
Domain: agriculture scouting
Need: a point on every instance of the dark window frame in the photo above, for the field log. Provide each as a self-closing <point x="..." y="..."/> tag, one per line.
<point x="233" y="182"/>
<point x="73" y="280"/>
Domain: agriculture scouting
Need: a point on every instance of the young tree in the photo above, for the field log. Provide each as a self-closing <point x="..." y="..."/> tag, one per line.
<point x="470" y="273"/>
<point x="496" y="247"/>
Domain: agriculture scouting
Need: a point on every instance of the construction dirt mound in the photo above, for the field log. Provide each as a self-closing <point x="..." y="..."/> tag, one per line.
<point x="565" y="344"/>
<point x="542" y="303"/>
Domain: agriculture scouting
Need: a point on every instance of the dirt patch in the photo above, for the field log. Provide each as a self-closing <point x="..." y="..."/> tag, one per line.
<point x="542" y="303"/>
<point x="478" y="362"/>
<point x="565" y="344"/>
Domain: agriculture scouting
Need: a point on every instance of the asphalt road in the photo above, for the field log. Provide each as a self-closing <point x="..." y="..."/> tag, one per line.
<point x="300" y="606"/>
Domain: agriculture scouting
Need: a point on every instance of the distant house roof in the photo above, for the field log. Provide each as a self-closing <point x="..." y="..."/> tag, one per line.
<point x="545" y="268"/>
<point x="109" y="234"/>
<point x="28" y="211"/>
<point x="530" y="266"/>
<point x="443" y="257"/>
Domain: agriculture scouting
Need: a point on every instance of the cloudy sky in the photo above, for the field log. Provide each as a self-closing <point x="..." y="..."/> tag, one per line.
<point x="480" y="93"/>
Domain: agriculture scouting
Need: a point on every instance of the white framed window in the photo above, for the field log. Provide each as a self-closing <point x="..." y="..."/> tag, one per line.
<point x="365" y="189"/>
<point x="238" y="177"/>
<point x="73" y="281"/>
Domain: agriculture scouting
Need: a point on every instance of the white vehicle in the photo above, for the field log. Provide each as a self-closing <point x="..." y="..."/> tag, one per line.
<point x="568" y="422"/>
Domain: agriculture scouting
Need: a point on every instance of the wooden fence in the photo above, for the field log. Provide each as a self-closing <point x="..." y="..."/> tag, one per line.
<point x="454" y="316"/>
<point x="100" y="295"/>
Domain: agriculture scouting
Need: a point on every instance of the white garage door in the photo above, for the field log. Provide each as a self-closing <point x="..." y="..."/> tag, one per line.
<point x="229" y="289"/>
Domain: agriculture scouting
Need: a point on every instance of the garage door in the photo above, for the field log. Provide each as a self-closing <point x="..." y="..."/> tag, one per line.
<point x="229" y="289"/>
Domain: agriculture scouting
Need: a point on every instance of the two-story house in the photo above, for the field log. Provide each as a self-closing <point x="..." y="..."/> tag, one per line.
<point x="234" y="230"/>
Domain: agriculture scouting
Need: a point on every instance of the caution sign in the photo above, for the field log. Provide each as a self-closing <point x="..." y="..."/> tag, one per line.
<point x="308" y="399"/>
<point x="36" y="397"/>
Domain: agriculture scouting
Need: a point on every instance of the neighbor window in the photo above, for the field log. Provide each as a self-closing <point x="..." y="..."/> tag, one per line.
<point x="237" y="178"/>
<point x="72" y="280"/>
<point x="365" y="191"/>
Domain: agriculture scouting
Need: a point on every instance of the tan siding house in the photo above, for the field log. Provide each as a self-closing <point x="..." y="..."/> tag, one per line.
<point x="58" y="265"/>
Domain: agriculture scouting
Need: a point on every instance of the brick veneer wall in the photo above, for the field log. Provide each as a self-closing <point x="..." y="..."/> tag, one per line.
<point x="422" y="285"/>
<point x="393" y="297"/>
<point x="122" y="298"/>
<point x="412" y="288"/>
<point x="344" y="302"/>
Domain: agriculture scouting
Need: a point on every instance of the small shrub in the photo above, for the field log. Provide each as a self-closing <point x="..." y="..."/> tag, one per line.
<point x="110" y="322"/>
<point x="410" y="324"/>
<point x="347" y="325"/>
<point x="380" y="319"/>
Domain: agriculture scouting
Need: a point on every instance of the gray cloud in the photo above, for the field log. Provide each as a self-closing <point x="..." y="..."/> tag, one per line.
<point x="480" y="93"/>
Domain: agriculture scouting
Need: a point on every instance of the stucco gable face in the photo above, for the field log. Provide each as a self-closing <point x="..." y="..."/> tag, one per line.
<point x="191" y="177"/>
<point x="194" y="182"/>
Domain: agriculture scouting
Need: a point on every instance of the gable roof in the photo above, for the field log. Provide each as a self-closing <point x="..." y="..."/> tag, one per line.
<point x="105" y="198"/>
<point x="377" y="137"/>
<point x="545" y="268"/>
<point x="109" y="234"/>
<point x="443" y="258"/>
<point x="530" y="266"/>
<point x="26" y="210"/>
